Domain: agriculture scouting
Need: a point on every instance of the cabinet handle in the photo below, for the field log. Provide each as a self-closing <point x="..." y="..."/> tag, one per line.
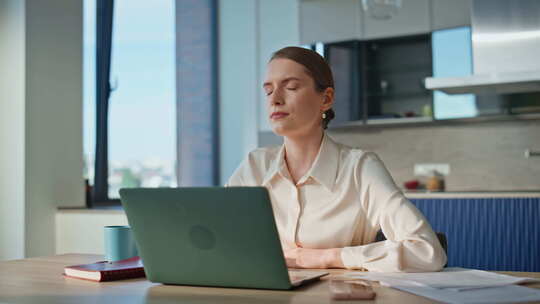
<point x="531" y="153"/>
<point x="384" y="87"/>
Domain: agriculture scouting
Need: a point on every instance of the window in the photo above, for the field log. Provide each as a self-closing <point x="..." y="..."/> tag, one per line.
<point x="89" y="91"/>
<point x="142" y="113"/>
<point x="452" y="57"/>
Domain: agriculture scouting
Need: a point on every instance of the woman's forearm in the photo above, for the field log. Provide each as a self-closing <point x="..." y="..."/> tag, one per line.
<point x="333" y="258"/>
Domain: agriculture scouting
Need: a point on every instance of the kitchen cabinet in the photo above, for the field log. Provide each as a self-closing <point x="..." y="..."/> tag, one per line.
<point x="334" y="21"/>
<point x="413" y="17"/>
<point x="395" y="69"/>
<point x="329" y="21"/>
<point x="448" y="14"/>
<point x="381" y="80"/>
<point x="477" y="223"/>
<point x="345" y="60"/>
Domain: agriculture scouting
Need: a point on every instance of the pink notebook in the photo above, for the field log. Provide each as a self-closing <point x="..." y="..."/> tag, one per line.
<point x="105" y="271"/>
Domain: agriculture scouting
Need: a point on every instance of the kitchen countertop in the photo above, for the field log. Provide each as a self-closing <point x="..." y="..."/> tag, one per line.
<point x="473" y="194"/>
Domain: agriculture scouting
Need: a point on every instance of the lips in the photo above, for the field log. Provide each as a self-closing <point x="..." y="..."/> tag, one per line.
<point x="278" y="115"/>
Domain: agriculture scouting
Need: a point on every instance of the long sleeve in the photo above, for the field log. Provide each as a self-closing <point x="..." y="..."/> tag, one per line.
<point x="411" y="244"/>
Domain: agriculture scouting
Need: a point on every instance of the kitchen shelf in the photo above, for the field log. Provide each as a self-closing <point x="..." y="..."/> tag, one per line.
<point x="402" y="69"/>
<point x="394" y="96"/>
<point x="378" y="81"/>
<point x="401" y="120"/>
<point x="384" y="122"/>
<point x="427" y="121"/>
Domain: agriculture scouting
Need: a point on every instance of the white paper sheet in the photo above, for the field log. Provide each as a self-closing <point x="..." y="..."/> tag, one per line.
<point x="458" y="285"/>
<point x="452" y="278"/>
<point x="501" y="294"/>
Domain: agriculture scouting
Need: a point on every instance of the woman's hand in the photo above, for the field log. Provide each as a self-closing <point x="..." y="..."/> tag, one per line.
<point x="313" y="258"/>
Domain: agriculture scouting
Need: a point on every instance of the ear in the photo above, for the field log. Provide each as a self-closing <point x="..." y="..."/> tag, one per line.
<point x="328" y="101"/>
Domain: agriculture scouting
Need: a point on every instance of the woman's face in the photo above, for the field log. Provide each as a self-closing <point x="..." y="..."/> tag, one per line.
<point x="293" y="104"/>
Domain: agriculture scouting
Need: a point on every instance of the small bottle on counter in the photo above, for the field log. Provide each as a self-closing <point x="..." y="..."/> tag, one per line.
<point x="435" y="182"/>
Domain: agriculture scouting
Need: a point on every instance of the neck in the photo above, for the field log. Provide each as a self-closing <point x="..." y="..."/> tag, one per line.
<point x="300" y="153"/>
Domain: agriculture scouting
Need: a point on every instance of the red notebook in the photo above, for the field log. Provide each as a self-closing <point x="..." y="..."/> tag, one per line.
<point x="105" y="271"/>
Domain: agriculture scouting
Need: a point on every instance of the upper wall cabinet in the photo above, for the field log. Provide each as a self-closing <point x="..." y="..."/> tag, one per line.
<point x="409" y="18"/>
<point x="450" y="14"/>
<point x="329" y="21"/>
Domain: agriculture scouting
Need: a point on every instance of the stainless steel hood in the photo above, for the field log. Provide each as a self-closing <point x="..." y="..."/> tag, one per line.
<point x="505" y="49"/>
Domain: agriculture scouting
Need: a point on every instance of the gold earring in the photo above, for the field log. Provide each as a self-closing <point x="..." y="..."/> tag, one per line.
<point x="323" y="115"/>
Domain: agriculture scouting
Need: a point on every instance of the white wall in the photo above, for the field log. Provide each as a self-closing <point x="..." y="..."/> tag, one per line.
<point x="81" y="231"/>
<point x="12" y="127"/>
<point x="249" y="32"/>
<point x="238" y="72"/>
<point x="53" y="117"/>
<point x="41" y="143"/>
<point x="278" y="28"/>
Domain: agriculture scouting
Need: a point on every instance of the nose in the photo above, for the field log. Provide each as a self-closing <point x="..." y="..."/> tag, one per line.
<point x="276" y="98"/>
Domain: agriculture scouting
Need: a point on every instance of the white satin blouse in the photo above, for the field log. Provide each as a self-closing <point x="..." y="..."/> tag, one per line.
<point x="342" y="202"/>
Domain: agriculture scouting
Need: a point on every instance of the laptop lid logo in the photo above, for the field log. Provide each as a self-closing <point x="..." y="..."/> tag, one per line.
<point x="202" y="238"/>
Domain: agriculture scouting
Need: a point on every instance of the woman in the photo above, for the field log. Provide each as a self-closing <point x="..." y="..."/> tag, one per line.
<point x="330" y="200"/>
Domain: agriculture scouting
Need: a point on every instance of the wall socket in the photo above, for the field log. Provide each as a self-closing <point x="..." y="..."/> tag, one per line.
<point x="427" y="169"/>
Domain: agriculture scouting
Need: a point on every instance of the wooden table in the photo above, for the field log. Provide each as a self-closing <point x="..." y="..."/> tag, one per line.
<point x="40" y="280"/>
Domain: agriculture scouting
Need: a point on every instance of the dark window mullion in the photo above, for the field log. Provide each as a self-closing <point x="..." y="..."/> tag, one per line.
<point x="104" y="22"/>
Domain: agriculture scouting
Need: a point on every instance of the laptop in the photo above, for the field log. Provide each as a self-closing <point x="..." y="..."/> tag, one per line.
<point x="210" y="236"/>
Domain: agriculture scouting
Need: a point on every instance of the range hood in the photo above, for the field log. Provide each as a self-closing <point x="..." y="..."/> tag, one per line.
<point x="505" y="50"/>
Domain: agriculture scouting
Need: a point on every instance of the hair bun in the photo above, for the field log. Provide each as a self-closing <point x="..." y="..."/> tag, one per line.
<point x="330" y="114"/>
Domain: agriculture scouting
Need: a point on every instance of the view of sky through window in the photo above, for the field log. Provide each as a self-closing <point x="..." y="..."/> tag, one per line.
<point x="142" y="128"/>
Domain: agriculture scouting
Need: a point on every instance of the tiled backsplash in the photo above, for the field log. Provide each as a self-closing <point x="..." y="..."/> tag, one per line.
<point x="483" y="156"/>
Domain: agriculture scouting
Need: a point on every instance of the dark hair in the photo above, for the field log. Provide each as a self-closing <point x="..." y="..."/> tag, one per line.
<point x="315" y="66"/>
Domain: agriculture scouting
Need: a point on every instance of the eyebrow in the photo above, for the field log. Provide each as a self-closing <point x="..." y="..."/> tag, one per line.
<point x="283" y="81"/>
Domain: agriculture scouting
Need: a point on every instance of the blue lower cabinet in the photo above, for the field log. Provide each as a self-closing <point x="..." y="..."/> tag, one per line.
<point x="488" y="233"/>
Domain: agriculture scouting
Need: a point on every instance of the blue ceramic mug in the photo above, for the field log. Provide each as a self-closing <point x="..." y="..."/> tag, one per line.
<point x="119" y="243"/>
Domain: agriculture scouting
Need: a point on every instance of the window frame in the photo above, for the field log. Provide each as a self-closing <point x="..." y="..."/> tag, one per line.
<point x="97" y="195"/>
<point x="104" y="22"/>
